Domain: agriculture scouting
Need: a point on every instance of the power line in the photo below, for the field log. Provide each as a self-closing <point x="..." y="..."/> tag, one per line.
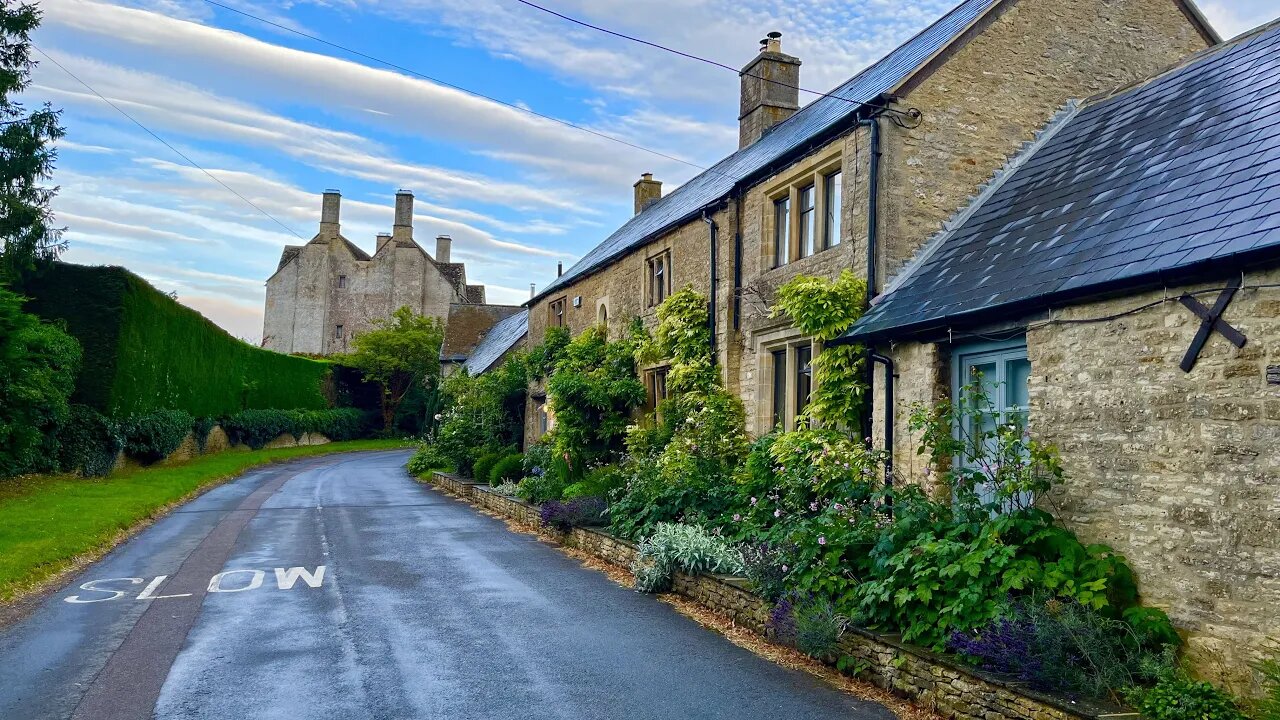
<point x="701" y="59"/>
<point x="164" y="142"/>
<point x="459" y="88"/>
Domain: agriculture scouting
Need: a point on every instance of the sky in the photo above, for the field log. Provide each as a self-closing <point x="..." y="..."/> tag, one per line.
<point x="279" y="118"/>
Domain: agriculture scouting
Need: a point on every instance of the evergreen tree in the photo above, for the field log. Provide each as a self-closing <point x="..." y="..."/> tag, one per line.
<point x="27" y="235"/>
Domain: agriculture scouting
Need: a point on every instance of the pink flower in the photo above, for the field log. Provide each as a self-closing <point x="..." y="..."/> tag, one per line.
<point x="786" y="569"/>
<point x="753" y="501"/>
<point x="839" y="507"/>
<point x="737" y="517"/>
<point x="777" y="513"/>
<point x="813" y="507"/>
<point x="822" y="539"/>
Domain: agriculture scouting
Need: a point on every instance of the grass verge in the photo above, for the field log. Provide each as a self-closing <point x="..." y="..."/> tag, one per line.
<point x="51" y="524"/>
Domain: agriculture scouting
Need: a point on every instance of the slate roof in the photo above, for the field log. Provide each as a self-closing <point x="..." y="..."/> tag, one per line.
<point x="500" y="339"/>
<point x="794" y="134"/>
<point x="467" y="325"/>
<point x="1159" y="182"/>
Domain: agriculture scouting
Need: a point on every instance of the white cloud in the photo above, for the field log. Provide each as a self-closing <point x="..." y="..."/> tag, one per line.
<point x="1233" y="17"/>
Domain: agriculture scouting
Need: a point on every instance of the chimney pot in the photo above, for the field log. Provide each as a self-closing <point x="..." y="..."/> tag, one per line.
<point x="559" y="269"/>
<point x="330" y="207"/>
<point x="647" y="191"/>
<point x="443" y="244"/>
<point x="403" y="227"/>
<point x="770" y="90"/>
<point x="532" y="290"/>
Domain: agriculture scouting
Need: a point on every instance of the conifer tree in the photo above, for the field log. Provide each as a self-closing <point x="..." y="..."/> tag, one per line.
<point x="27" y="234"/>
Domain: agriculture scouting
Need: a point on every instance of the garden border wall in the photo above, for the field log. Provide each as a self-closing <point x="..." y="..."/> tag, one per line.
<point x="934" y="681"/>
<point x="216" y="442"/>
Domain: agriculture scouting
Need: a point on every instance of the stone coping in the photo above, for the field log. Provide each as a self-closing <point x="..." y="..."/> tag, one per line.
<point x="937" y="681"/>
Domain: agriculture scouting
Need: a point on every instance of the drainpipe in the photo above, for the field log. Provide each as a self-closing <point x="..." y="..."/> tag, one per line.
<point x="873" y="225"/>
<point x="889" y="376"/>
<point x="715" y="281"/>
<point x="737" y="261"/>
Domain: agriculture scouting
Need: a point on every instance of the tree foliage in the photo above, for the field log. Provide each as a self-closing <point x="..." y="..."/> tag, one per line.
<point x="27" y="234"/>
<point x="398" y="353"/>
<point x="38" y="364"/>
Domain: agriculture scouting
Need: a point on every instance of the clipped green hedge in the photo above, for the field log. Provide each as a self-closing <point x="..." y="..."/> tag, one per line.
<point x="144" y="351"/>
<point x="256" y="428"/>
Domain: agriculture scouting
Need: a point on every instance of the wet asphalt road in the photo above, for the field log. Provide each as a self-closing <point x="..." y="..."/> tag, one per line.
<point x="425" y="609"/>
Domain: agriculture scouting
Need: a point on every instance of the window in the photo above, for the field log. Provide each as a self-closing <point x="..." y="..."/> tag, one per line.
<point x="782" y="231"/>
<point x="1003" y="373"/>
<point x="832" y="186"/>
<point x="779" y="361"/>
<point x="659" y="283"/>
<point x="555" y="313"/>
<point x="337" y="331"/>
<point x="602" y="316"/>
<point x="655" y="383"/>
<point x="804" y="376"/>
<point x="808" y="221"/>
<point x="544" y="418"/>
<point x="342" y="281"/>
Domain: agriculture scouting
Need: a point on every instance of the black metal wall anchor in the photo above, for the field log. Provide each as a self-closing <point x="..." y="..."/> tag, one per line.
<point x="1211" y="320"/>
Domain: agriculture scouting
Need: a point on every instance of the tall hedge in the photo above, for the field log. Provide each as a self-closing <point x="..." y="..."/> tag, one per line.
<point x="144" y="351"/>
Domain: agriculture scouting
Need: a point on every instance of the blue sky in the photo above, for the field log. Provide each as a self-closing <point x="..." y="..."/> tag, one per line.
<point x="280" y="118"/>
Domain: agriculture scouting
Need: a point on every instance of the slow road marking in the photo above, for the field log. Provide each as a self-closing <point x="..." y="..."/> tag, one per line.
<point x="229" y="581"/>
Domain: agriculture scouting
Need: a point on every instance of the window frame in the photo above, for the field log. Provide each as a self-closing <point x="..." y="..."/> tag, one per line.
<point x="795" y="229"/>
<point x="780" y="384"/>
<point x="658" y="281"/>
<point x="830" y="219"/>
<point x="782" y="230"/>
<point x="342" y="282"/>
<point x="1002" y="353"/>
<point x="807" y="222"/>
<point x="558" y="319"/>
<point x="339" y="331"/>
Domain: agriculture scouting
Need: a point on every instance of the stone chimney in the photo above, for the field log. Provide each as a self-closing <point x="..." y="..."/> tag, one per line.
<point x="443" y="243"/>
<point x="770" y="90"/>
<point x="383" y="239"/>
<point x="402" y="230"/>
<point x="648" y="191"/>
<point x="330" y="208"/>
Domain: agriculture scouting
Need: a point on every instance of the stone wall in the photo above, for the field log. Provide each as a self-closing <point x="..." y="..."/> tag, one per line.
<point x="936" y="682"/>
<point x="1178" y="471"/>
<point x="216" y="442"/>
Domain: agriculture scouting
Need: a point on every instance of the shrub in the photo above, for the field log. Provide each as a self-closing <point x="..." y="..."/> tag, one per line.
<point x="256" y="428"/>
<point x="1178" y="697"/>
<point x="38" y="364"/>
<point x="599" y="482"/>
<point x="1063" y="646"/>
<point x="1268" y="706"/>
<point x="539" y="489"/>
<point x="508" y="469"/>
<point x="580" y="512"/>
<point x="89" y="442"/>
<point x="336" y="424"/>
<point x="762" y="564"/>
<point x="152" y="437"/>
<point x="817" y="627"/>
<point x="425" y="459"/>
<point x="687" y="548"/>
<point x="507" y="489"/>
<point x="485" y="460"/>
<point x="200" y="429"/>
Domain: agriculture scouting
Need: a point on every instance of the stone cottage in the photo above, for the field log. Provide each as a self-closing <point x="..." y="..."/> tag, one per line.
<point x="1176" y="469"/>
<point x="1118" y="285"/>
<point x="325" y="292"/>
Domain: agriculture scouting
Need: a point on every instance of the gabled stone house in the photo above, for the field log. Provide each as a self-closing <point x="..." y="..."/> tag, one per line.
<point x="926" y="126"/>
<point x="325" y="292"/>
<point x="1118" y="285"/>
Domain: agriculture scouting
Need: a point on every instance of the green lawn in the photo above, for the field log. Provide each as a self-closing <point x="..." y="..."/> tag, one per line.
<point x="49" y="524"/>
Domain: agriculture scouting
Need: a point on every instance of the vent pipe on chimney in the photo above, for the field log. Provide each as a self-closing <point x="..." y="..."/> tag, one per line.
<point x="770" y="90"/>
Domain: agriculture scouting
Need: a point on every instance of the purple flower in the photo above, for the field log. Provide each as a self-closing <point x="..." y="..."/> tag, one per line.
<point x="839" y="507"/>
<point x="737" y="517"/>
<point x="822" y="539"/>
<point x="813" y="507"/>
<point x="777" y="513"/>
<point x="753" y="502"/>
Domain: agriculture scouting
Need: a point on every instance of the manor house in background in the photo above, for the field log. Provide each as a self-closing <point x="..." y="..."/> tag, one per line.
<point x="327" y="291"/>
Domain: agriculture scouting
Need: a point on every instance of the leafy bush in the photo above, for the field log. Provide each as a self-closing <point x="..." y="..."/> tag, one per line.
<point x="508" y="469"/>
<point x="539" y="489"/>
<point x="200" y="429"/>
<point x="810" y="623"/>
<point x="688" y="548"/>
<point x="484" y="462"/>
<point x="152" y="437"/>
<point x="483" y="413"/>
<point x="599" y="482"/>
<point x="336" y="424"/>
<point x="38" y="364"/>
<point x="1177" y="697"/>
<point x="256" y="428"/>
<point x="89" y="442"/>
<point x="425" y="459"/>
<point x="579" y="512"/>
<point x="1268" y="706"/>
<point x="1065" y="647"/>
<point x="765" y="567"/>
<point x="507" y="489"/>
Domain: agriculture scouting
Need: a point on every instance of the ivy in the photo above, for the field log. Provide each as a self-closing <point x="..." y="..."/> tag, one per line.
<point x="823" y="309"/>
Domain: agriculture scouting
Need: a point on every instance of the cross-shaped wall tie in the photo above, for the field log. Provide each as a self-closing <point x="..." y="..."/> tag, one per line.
<point x="1211" y="320"/>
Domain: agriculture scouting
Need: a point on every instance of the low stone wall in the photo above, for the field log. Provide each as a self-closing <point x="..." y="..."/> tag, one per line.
<point x="934" y="681"/>
<point x="216" y="442"/>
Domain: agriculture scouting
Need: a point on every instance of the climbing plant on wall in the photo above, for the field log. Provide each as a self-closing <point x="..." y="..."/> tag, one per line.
<point x="823" y="309"/>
